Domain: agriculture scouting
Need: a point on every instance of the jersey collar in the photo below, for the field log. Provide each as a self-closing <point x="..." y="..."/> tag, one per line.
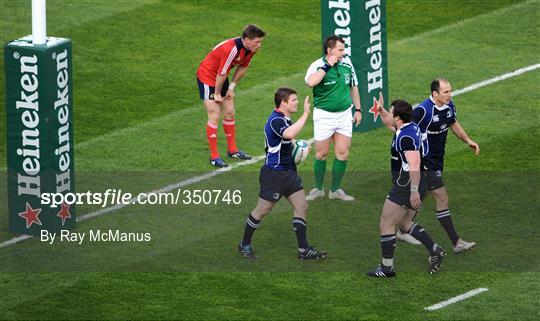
<point x="404" y="125"/>
<point x="443" y="107"/>
<point x="240" y="45"/>
<point x="281" y="113"/>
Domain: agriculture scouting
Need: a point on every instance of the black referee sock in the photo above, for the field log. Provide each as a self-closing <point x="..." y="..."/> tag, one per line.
<point x="419" y="233"/>
<point x="388" y="245"/>
<point x="299" y="227"/>
<point x="446" y="221"/>
<point x="251" y="225"/>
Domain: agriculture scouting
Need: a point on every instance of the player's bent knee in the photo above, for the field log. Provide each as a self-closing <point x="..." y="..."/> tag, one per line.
<point x="441" y="200"/>
<point x="321" y="155"/>
<point x="442" y="206"/>
<point x="386" y="228"/>
<point x="259" y="212"/>
<point x="262" y="209"/>
<point x="385" y="224"/>
<point x="343" y="155"/>
<point x="213" y="117"/>
<point x="302" y="209"/>
<point x="228" y="115"/>
<point x="405" y="226"/>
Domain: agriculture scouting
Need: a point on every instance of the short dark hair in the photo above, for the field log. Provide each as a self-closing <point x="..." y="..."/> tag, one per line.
<point x="402" y="109"/>
<point x="331" y="41"/>
<point x="283" y="94"/>
<point x="252" y="32"/>
<point x="436" y="84"/>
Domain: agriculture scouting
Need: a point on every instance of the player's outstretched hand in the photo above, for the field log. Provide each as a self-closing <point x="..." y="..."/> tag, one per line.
<point x="380" y="102"/>
<point x="474" y="146"/>
<point x="307" y="106"/>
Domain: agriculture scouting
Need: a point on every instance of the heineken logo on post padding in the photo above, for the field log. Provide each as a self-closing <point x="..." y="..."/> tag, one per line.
<point x="29" y="182"/>
<point x="362" y="25"/>
<point x="375" y="74"/>
<point x="61" y="106"/>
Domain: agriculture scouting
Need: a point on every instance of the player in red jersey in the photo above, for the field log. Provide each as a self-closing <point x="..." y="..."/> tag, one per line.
<point x="218" y="94"/>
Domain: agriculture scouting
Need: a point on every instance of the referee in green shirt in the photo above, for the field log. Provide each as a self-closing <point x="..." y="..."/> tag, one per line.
<point x="335" y="93"/>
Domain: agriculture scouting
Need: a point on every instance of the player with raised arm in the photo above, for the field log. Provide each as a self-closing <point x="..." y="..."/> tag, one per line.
<point x="434" y="116"/>
<point x="336" y="103"/>
<point x="406" y="195"/>
<point x="278" y="176"/>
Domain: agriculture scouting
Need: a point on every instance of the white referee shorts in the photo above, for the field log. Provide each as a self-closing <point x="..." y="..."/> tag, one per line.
<point x="326" y="123"/>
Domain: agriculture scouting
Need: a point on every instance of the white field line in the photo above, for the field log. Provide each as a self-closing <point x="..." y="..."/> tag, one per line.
<point x="211" y="174"/>
<point x="455" y="299"/>
<point x="446" y="28"/>
<point x="496" y="79"/>
<point x="171" y="187"/>
<point x="15" y="240"/>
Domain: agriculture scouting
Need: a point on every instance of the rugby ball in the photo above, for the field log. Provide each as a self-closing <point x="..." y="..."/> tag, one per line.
<point x="300" y="151"/>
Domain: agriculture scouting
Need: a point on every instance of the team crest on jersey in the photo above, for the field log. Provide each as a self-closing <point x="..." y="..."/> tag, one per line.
<point x="435" y="118"/>
<point x="347" y="79"/>
<point x="449" y="114"/>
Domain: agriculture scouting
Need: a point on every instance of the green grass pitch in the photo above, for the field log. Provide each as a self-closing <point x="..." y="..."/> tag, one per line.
<point x="139" y="126"/>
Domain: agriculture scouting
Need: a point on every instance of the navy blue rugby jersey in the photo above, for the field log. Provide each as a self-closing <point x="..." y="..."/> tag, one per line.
<point x="434" y="123"/>
<point x="278" y="149"/>
<point x="406" y="138"/>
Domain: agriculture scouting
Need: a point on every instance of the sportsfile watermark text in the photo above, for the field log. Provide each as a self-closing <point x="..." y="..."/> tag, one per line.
<point x="117" y="197"/>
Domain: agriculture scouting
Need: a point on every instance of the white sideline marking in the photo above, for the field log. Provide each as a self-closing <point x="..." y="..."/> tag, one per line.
<point x="473" y="19"/>
<point x="208" y="175"/>
<point x="455" y="299"/>
<point x="495" y="79"/>
<point x="15" y="240"/>
<point x="171" y="187"/>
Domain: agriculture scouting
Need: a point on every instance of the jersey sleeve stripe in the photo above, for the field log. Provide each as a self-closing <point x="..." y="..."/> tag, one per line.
<point x="232" y="54"/>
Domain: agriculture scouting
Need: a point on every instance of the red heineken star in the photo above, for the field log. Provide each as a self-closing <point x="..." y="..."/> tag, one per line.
<point x="31" y="215"/>
<point x="375" y="109"/>
<point x="64" y="212"/>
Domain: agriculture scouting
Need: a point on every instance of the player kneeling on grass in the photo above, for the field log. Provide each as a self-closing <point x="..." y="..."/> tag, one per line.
<point x="405" y="197"/>
<point x="278" y="176"/>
